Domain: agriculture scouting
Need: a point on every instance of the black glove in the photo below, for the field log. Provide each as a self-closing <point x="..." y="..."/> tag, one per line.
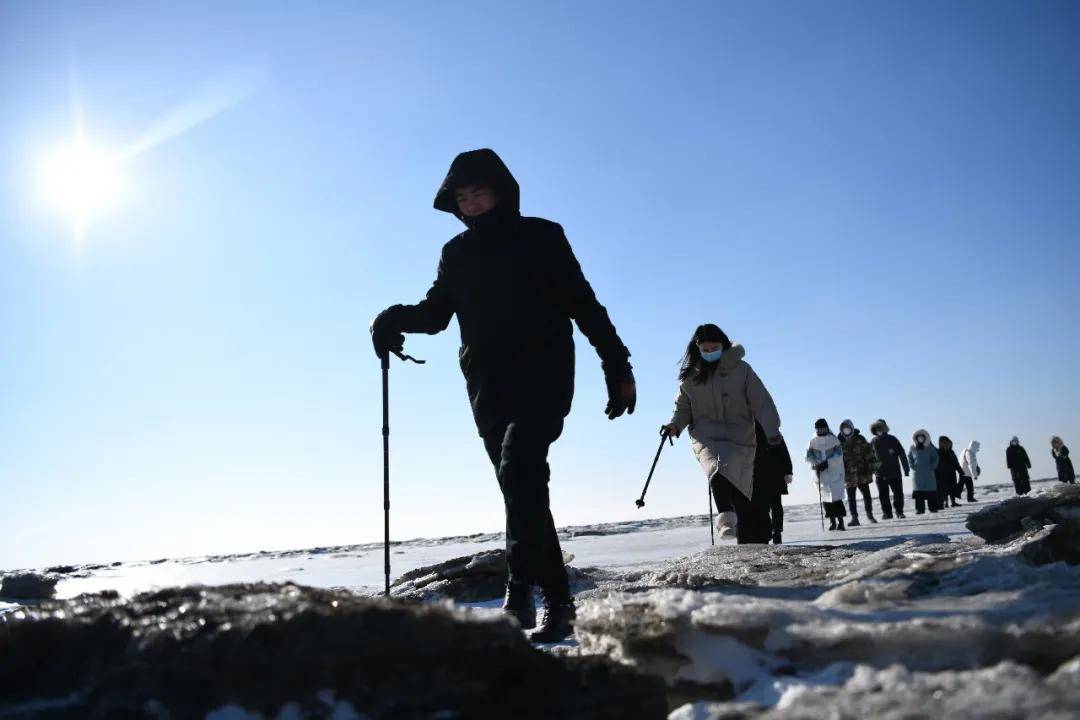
<point x="386" y="331"/>
<point x="621" y="390"/>
<point x="822" y="466"/>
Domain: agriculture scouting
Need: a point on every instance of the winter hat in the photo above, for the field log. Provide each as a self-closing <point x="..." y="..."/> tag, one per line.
<point x="821" y="424"/>
<point x="944" y="440"/>
<point x="879" y="425"/>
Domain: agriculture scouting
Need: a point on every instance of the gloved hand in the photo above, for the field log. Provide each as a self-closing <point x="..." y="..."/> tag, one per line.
<point x="621" y="389"/>
<point x="776" y="439"/>
<point x="788" y="479"/>
<point x="386" y="333"/>
<point x="822" y="466"/>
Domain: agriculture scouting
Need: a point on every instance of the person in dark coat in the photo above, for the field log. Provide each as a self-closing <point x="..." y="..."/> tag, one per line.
<point x="947" y="471"/>
<point x="516" y="288"/>
<point x="773" y="473"/>
<point x="1016" y="458"/>
<point x="890" y="459"/>
<point x="859" y="464"/>
<point x="1060" y="453"/>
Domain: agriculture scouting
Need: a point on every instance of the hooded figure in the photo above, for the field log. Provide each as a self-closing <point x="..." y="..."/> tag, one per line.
<point x="947" y="471"/>
<point x="924" y="460"/>
<point x="859" y="464"/>
<point x="890" y="459"/>
<point x="720" y="405"/>
<point x="516" y="288"/>
<point x="1060" y="453"/>
<point x="969" y="470"/>
<point x="772" y="471"/>
<point x="826" y="457"/>
<point x="1016" y="458"/>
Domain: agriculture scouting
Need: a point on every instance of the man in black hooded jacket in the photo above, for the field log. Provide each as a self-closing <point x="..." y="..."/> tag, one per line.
<point x="891" y="457"/>
<point x="515" y="286"/>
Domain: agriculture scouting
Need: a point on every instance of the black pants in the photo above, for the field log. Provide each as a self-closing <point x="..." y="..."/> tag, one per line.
<point x="1021" y="482"/>
<point x="867" y="501"/>
<point x="518" y="450"/>
<point x="927" y="499"/>
<point x="968" y="484"/>
<point x="752" y="515"/>
<point x="776" y="511"/>
<point x="896" y="485"/>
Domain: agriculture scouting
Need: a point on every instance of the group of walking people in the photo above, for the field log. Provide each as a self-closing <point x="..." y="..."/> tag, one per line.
<point x="515" y="286"/>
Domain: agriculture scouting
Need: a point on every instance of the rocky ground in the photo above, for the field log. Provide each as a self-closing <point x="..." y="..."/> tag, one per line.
<point x="898" y="626"/>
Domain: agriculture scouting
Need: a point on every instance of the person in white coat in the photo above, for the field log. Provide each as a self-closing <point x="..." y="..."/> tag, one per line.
<point x="826" y="457"/>
<point x="970" y="471"/>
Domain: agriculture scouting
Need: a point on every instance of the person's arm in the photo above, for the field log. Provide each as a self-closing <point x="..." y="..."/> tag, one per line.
<point x="432" y="314"/>
<point x="762" y="405"/>
<point x="1027" y="460"/>
<point x="1064" y="452"/>
<point x="935" y="458"/>
<point x="903" y="457"/>
<point x="910" y="458"/>
<point x="683" y="415"/>
<point x="784" y="456"/>
<point x="581" y="304"/>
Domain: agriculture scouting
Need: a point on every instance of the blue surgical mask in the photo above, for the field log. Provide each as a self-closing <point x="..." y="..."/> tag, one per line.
<point x="712" y="356"/>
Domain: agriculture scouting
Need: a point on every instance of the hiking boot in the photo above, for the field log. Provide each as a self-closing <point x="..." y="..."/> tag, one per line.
<point x="854" y="522"/>
<point x="726" y="524"/>
<point x="832" y="523"/>
<point x="886" y="516"/>
<point x="520" y="605"/>
<point x="557" y="623"/>
<point x="776" y="539"/>
<point x="872" y="520"/>
<point x="840" y="524"/>
<point x="900" y="514"/>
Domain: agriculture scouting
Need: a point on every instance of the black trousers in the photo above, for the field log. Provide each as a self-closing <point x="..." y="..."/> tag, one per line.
<point x="867" y="501"/>
<point x="966" y="483"/>
<point x="518" y="451"/>
<point x="927" y="499"/>
<point x="776" y="512"/>
<point x="896" y="485"/>
<point x="752" y="514"/>
<point x="1021" y="482"/>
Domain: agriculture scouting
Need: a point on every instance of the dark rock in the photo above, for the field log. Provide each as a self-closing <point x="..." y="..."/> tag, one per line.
<point x="184" y="652"/>
<point x="1056" y="543"/>
<point x="1005" y="520"/>
<point x="61" y="569"/>
<point x="472" y="578"/>
<point x="28" y="586"/>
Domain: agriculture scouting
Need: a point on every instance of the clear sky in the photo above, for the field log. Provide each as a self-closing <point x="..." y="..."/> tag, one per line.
<point x="880" y="200"/>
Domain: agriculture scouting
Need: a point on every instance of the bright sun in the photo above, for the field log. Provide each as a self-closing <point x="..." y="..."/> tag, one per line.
<point x="80" y="181"/>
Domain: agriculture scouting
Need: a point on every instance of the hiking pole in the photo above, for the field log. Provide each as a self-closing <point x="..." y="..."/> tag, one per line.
<point x="640" y="502"/>
<point x="386" y="456"/>
<point x="712" y="528"/>
<point x="820" y="504"/>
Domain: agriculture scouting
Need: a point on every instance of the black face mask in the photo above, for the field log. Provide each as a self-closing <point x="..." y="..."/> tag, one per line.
<point x="822" y="433"/>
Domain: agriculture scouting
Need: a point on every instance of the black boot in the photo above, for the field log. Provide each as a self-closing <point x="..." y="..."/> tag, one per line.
<point x="900" y="514"/>
<point x="776" y="538"/>
<point x="872" y="520"/>
<point x="519" y="604"/>
<point x="558" y="621"/>
<point x="840" y="524"/>
<point x="832" y="523"/>
<point x="854" y="522"/>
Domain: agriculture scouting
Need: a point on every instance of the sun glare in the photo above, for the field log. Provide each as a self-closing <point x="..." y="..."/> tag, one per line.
<point x="80" y="181"/>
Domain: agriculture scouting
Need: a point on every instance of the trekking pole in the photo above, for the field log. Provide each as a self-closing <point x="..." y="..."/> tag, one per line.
<point x="712" y="528"/>
<point x="386" y="457"/>
<point x="820" y="504"/>
<point x="640" y="502"/>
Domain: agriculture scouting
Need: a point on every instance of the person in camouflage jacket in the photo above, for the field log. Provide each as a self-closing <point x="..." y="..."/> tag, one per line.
<point x="859" y="465"/>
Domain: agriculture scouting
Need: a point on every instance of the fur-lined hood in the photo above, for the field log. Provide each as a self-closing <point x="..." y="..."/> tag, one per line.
<point x="879" y="424"/>
<point x="1015" y="441"/>
<point x="974" y="446"/>
<point x="917" y="433"/>
<point x="1056" y="441"/>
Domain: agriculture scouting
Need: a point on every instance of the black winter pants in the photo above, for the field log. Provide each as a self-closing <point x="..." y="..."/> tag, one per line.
<point x="896" y="485"/>
<point x="518" y="450"/>
<point x="867" y="501"/>
<point x="776" y="510"/>
<point x="752" y="515"/>
<point x="1021" y="482"/>
<point x="927" y="499"/>
<point x="968" y="484"/>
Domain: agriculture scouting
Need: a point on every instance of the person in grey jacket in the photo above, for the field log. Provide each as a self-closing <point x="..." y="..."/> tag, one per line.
<point x="720" y="397"/>
<point x="890" y="458"/>
<point x="924" y="460"/>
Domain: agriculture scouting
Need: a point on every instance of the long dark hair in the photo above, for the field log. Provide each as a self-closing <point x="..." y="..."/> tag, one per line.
<point x="693" y="365"/>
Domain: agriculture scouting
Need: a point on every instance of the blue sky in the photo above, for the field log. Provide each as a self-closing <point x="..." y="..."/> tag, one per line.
<point x="880" y="200"/>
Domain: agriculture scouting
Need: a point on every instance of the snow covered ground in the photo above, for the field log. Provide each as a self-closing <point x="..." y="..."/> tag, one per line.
<point x="617" y="546"/>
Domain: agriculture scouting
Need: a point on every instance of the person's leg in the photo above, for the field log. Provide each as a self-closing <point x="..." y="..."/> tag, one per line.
<point x="532" y="545"/>
<point x="868" y="502"/>
<point x="721" y="492"/>
<point x="777" y="516"/>
<point x="897" y="485"/>
<point x="753" y="514"/>
<point x="853" y="506"/>
<point x="883" y="496"/>
<point x="920" y="504"/>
